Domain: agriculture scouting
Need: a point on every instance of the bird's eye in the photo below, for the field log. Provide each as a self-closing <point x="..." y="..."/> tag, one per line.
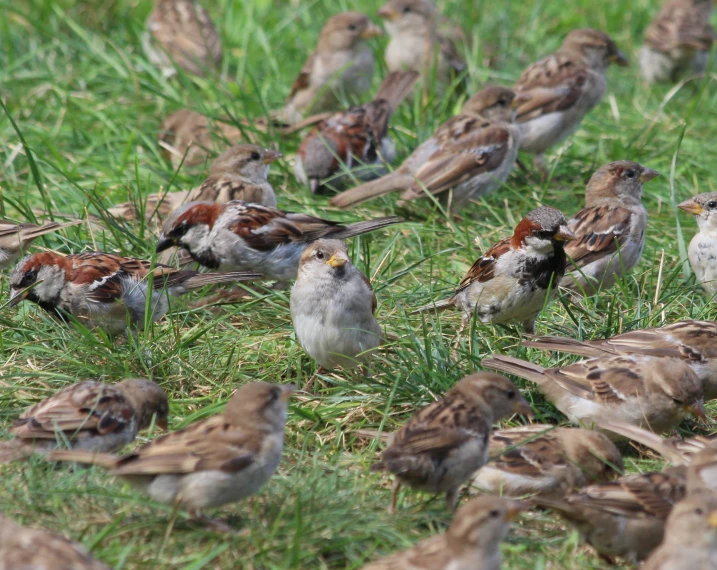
<point x="274" y="394"/>
<point x="712" y="204"/>
<point x="28" y="279"/>
<point x="255" y="155"/>
<point x="494" y="514"/>
<point x="352" y="27"/>
<point x="678" y="402"/>
<point x="319" y="254"/>
<point x="699" y="511"/>
<point x="406" y="9"/>
<point x="502" y="102"/>
<point x="630" y="174"/>
<point x="511" y="395"/>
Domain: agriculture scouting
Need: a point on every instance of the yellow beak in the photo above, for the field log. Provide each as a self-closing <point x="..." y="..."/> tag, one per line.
<point x="338" y="260"/>
<point x="691" y="207"/>
<point x="388" y="13"/>
<point x="713" y="519"/>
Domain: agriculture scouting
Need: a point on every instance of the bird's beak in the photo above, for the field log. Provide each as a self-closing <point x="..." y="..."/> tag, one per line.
<point x="164" y="243"/>
<point x="371" y="32"/>
<point x="162" y="423"/>
<point x="17" y="297"/>
<point x="388" y="13"/>
<point x="271" y="156"/>
<point x="691" y="207"/>
<point x="515" y="508"/>
<point x="522" y="408"/>
<point x="338" y="260"/>
<point x="286" y="391"/>
<point x="713" y="519"/>
<point x="619" y="58"/>
<point x="314" y="185"/>
<point x="648" y="174"/>
<point x="698" y="410"/>
<point x="564" y="233"/>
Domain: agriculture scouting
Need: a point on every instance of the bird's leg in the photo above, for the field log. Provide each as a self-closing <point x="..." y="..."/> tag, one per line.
<point x="529" y="326"/>
<point x="452" y="497"/>
<point x="394" y="496"/>
<point x="459" y="335"/>
<point x="307" y="387"/>
<point x="213" y="524"/>
<point x="539" y="164"/>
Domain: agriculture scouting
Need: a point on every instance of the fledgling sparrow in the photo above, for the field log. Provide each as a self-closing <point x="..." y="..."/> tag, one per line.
<point x="240" y="173"/>
<point x="610" y="230"/>
<point x="181" y="32"/>
<point x="695" y="342"/>
<point x="341" y="66"/>
<point x="472" y="542"/>
<point x="647" y="391"/>
<point x="212" y="462"/>
<point x="540" y="459"/>
<point x="467" y="157"/>
<point x="103" y="290"/>
<point x="558" y="91"/>
<point x="16" y="238"/>
<point x="516" y="277"/>
<point x="445" y="443"/>
<point x="356" y="140"/>
<point x="89" y="416"/>
<point x="333" y="307"/>
<point x="24" y="548"/>
<point x="703" y="247"/>
<point x="242" y="236"/>
<point x="677" y="41"/>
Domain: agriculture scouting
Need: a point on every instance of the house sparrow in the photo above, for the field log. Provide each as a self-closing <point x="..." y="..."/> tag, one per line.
<point x="16" y="238"/>
<point x="693" y="341"/>
<point x="647" y="391"/>
<point x="23" y="548"/>
<point x="104" y="290"/>
<point x="623" y="518"/>
<point x="610" y="230"/>
<point x="416" y="43"/>
<point x="690" y="536"/>
<point x="341" y="65"/>
<point x="89" y="416"/>
<point x="333" y="306"/>
<point x="559" y="90"/>
<point x="677" y="41"/>
<point x="471" y="155"/>
<point x="513" y="280"/>
<point x="181" y="32"/>
<point x="240" y="173"/>
<point x="472" y="542"/>
<point x="218" y="460"/>
<point x="703" y="247"/>
<point x="355" y="140"/>
<point x="446" y="442"/>
<point x="543" y="460"/>
<point x="239" y="235"/>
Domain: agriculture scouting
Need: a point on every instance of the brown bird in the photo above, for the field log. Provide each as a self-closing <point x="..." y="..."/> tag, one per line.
<point x="16" y="238"/>
<point x="442" y="445"/>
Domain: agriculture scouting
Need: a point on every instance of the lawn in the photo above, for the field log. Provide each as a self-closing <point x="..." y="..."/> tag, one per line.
<point x="88" y="104"/>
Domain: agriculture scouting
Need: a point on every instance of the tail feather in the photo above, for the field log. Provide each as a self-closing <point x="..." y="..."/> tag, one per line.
<point x="359" y="228"/>
<point x="435" y="306"/>
<point x="13" y="450"/>
<point x="516" y="367"/>
<point x="649" y="439"/>
<point x="106" y="460"/>
<point x="396" y="87"/>
<point x="197" y="280"/>
<point x="384" y="185"/>
<point x="28" y="234"/>
<point x="569" y="345"/>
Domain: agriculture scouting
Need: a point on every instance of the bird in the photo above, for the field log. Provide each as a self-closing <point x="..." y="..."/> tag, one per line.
<point x="545" y="460"/>
<point x="181" y="32"/>
<point x="695" y="342"/>
<point x="104" y="290"/>
<point x="353" y="143"/>
<point x="677" y="41"/>
<point x="24" y="548"/>
<point x="445" y="443"/>
<point x="558" y="91"/>
<point x="16" y="238"/>
<point x="239" y="235"/>
<point x="472" y="542"/>
<point x="610" y="230"/>
<point x="703" y="247"/>
<point x="88" y="415"/>
<point x="514" y="279"/>
<point x="467" y="157"/>
<point x="222" y="459"/>
<point x="333" y="307"/>
<point x="340" y="67"/>
<point x="240" y="173"/>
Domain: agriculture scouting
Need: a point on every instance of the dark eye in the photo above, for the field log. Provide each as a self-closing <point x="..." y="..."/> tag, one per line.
<point x="274" y="394"/>
<point x="712" y="204"/>
<point x="678" y="402"/>
<point x="352" y="27"/>
<point x="502" y="102"/>
<point x="630" y="174"/>
<point x="255" y="156"/>
<point x="319" y="254"/>
<point x="406" y="9"/>
<point x="494" y="514"/>
<point x="28" y="279"/>
<point x="511" y="395"/>
<point x="699" y="511"/>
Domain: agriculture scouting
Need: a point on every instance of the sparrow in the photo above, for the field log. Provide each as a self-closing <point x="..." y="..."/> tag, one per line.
<point x="16" y="238"/>
<point x="472" y="542"/>
<point x="333" y="307"/>
<point x="695" y="342"/>
<point x="240" y="173"/>
<point x="181" y="32"/>
<point x="647" y="391"/>
<point x="559" y="90"/>
<point x="445" y="443"/>
<point x="212" y="462"/>
<point x="103" y="290"/>
<point x="242" y="236"/>
<point x="677" y="41"/>
<point x="89" y="416"/>
<point x="690" y="541"/>
<point x="516" y="277"/>
<point x="353" y="143"/>
<point x="540" y="459"/>
<point x="24" y="548"/>
<point x="415" y="42"/>
<point x="469" y="155"/>
<point x="341" y="66"/>
<point x="610" y="230"/>
<point x="703" y="247"/>
<point x="623" y="518"/>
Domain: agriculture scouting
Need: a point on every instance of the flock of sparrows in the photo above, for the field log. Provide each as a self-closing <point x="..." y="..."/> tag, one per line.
<point x="635" y="385"/>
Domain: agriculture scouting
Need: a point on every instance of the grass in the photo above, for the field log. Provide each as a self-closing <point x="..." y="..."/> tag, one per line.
<point x="86" y="107"/>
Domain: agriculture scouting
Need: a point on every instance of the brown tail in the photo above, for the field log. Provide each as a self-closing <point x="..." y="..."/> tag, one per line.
<point x="30" y="233"/>
<point x="106" y="460"/>
<point x="569" y="345"/>
<point x="188" y="280"/>
<point x="435" y="306"/>
<point x="396" y="87"/>
<point x="652" y="440"/>
<point x="13" y="450"/>
<point x="516" y="367"/>
<point x="364" y="227"/>
<point x="385" y="185"/>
